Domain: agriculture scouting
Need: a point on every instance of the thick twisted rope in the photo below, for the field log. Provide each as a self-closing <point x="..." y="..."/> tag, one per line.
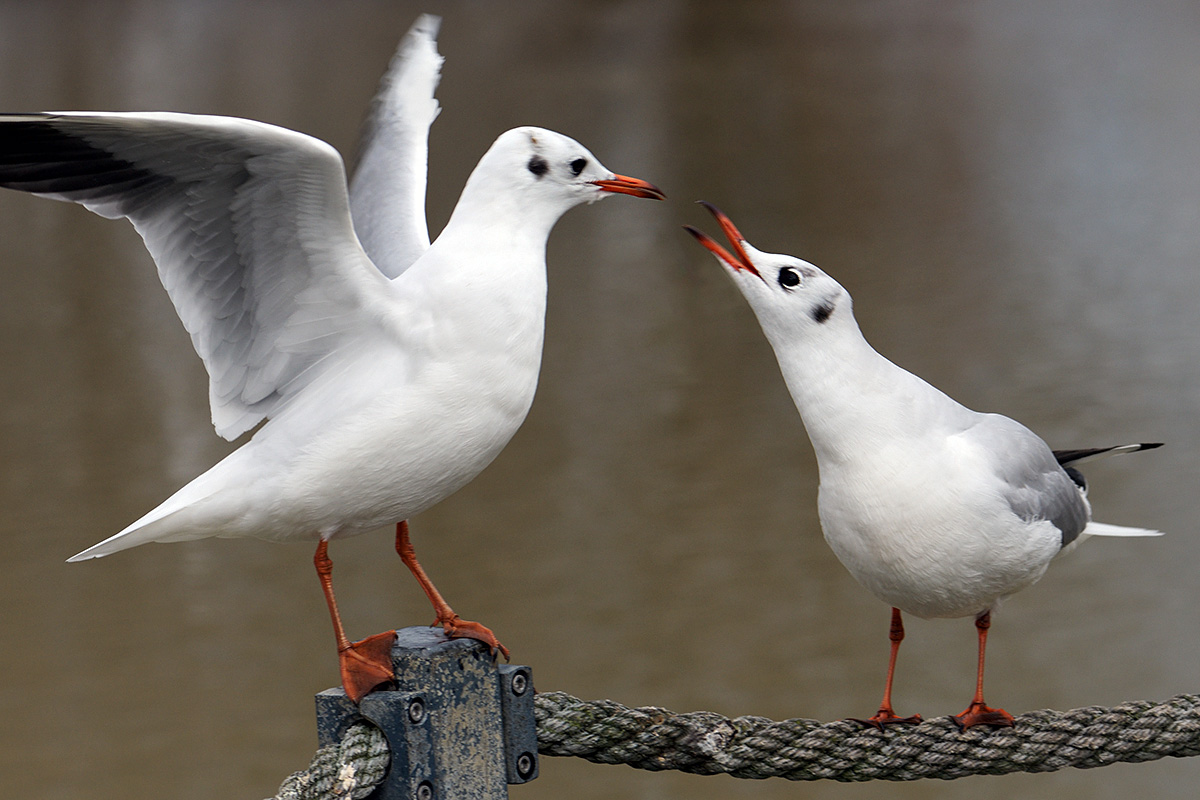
<point x="705" y="743"/>
<point x="803" y="750"/>
<point x="348" y="770"/>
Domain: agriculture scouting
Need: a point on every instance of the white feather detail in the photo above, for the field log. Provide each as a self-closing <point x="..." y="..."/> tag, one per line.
<point x="387" y="191"/>
<point x="1101" y="529"/>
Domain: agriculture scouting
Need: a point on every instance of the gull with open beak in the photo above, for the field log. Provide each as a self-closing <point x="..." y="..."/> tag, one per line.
<point x="938" y="510"/>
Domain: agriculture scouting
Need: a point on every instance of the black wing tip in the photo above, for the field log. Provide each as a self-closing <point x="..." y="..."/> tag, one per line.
<point x="1068" y="456"/>
<point x="40" y="155"/>
<point x="1080" y="481"/>
<point x="11" y="117"/>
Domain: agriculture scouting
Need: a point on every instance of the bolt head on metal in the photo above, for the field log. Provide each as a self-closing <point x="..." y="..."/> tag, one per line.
<point x="416" y="712"/>
<point x="520" y="682"/>
<point x="525" y="765"/>
<point x="425" y="791"/>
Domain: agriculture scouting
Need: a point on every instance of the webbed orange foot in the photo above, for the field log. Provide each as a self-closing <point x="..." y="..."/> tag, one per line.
<point x="458" y="628"/>
<point x="884" y="717"/>
<point x="979" y="714"/>
<point x="366" y="664"/>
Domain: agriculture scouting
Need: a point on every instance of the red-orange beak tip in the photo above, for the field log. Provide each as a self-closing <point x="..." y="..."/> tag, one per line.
<point x="737" y="260"/>
<point x="623" y="184"/>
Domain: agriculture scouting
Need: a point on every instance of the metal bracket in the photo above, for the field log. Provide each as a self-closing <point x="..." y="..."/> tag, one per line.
<point x="457" y="725"/>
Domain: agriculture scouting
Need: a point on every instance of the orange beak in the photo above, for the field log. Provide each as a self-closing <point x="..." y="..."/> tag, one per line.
<point x="738" y="260"/>
<point x="623" y="184"/>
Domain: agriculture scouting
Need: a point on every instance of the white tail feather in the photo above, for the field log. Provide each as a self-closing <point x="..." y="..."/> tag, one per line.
<point x="143" y="531"/>
<point x="1100" y="529"/>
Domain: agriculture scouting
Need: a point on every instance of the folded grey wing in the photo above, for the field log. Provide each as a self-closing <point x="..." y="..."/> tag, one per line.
<point x="1033" y="483"/>
<point x="248" y="224"/>
<point x="387" y="191"/>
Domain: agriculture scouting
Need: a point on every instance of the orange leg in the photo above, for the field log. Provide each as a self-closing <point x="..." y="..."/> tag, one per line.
<point x="364" y="664"/>
<point x="886" y="715"/>
<point x="977" y="713"/>
<point x="455" y="627"/>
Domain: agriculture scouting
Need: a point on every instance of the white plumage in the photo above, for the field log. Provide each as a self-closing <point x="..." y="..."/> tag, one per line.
<point x="938" y="510"/>
<point x="380" y="395"/>
<point x="387" y="191"/>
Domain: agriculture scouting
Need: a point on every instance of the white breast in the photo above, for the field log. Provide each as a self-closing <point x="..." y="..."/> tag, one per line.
<point x="928" y="537"/>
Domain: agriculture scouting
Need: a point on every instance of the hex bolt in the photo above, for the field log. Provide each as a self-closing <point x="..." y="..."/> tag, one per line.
<point x="424" y="791"/>
<point x="416" y="713"/>
<point x="525" y="764"/>
<point x="520" y="682"/>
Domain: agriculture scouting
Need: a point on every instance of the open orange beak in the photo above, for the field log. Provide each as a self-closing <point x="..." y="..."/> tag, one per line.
<point x="738" y="260"/>
<point x="623" y="184"/>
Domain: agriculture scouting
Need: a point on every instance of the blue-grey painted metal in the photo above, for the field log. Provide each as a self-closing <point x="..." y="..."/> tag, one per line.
<point x="520" y="726"/>
<point x="457" y="725"/>
<point x="414" y="772"/>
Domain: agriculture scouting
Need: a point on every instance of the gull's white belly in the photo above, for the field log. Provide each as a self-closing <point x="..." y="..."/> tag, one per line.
<point x="349" y="470"/>
<point x="940" y="547"/>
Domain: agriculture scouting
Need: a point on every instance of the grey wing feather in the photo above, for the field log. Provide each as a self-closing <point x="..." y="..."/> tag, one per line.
<point x="248" y="224"/>
<point x="387" y="191"/>
<point x="1036" y="487"/>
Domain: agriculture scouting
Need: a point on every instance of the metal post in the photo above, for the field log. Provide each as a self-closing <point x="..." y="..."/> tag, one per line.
<point x="458" y="725"/>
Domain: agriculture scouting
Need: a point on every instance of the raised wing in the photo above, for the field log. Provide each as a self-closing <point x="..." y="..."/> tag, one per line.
<point x="248" y="223"/>
<point x="387" y="192"/>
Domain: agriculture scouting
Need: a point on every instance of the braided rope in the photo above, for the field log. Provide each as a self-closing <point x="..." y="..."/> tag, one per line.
<point x="802" y="750"/>
<point x="348" y="770"/>
<point x="705" y="743"/>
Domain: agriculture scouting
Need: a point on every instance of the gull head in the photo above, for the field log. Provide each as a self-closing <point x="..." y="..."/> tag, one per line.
<point x="791" y="297"/>
<point x="535" y="168"/>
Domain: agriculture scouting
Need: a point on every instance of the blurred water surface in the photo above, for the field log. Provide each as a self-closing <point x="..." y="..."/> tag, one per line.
<point x="1010" y="191"/>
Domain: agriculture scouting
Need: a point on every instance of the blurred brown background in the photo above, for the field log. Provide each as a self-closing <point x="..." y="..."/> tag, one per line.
<point x="1011" y="191"/>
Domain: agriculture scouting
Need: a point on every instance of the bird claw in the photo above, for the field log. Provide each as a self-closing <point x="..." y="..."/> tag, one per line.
<point x="458" y="628"/>
<point x="884" y="717"/>
<point x="979" y="714"/>
<point x="366" y="664"/>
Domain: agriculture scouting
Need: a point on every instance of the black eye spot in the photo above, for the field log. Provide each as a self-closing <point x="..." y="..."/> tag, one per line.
<point x="577" y="165"/>
<point x="538" y="166"/>
<point x="788" y="278"/>
<point x="823" y="311"/>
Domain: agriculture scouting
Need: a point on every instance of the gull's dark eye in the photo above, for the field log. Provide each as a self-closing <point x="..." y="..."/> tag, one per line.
<point x="577" y="165"/>
<point x="788" y="278"/>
